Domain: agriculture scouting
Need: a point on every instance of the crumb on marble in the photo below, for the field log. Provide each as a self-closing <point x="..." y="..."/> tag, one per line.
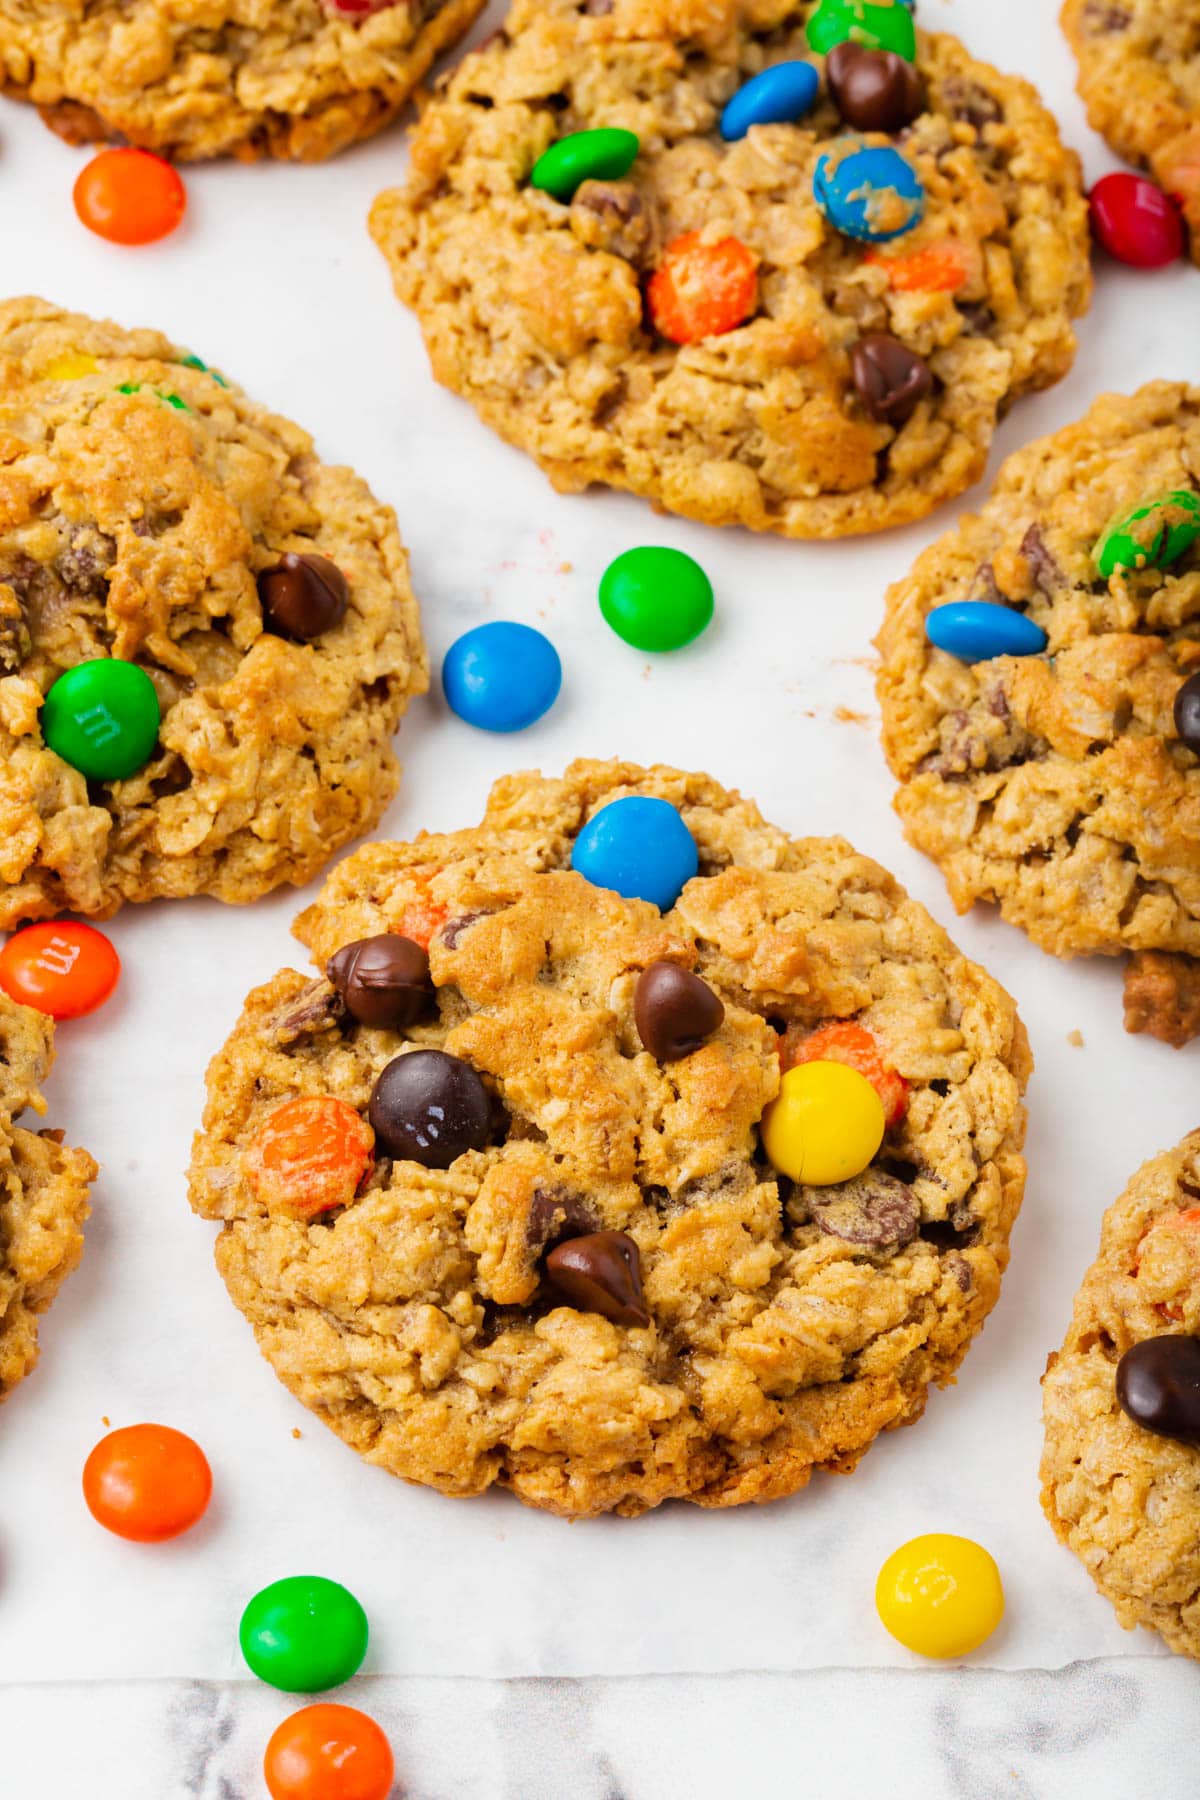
<point x="1076" y="1038"/>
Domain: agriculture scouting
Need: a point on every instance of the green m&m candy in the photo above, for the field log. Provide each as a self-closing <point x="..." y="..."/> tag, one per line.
<point x="102" y="717"/>
<point x="875" y="24"/>
<point x="602" y="155"/>
<point x="304" y="1634"/>
<point x="1152" y="536"/>
<point x="655" y="598"/>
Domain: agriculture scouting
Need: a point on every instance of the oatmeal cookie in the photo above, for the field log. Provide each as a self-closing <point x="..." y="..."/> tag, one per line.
<point x="585" y="1281"/>
<point x="550" y="317"/>
<point x="151" y="512"/>
<point x="1139" y="77"/>
<point x="1124" y="1495"/>
<point x="43" y="1193"/>
<point x="1058" y="785"/>
<point x="288" y="78"/>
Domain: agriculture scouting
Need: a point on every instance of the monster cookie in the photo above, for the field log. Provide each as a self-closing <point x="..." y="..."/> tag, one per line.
<point x="1040" y="687"/>
<point x="625" y="1149"/>
<point x="207" y="637"/>
<point x="1121" y="1469"/>
<point x="653" y="249"/>
<point x="43" y="1193"/>
<point x="1139" y="76"/>
<point x="287" y="78"/>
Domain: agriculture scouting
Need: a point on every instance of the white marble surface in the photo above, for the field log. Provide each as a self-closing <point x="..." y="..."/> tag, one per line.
<point x="513" y="1656"/>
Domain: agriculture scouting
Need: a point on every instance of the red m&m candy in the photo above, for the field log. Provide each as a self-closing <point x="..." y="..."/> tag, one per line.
<point x="1135" y="221"/>
<point x="62" y="969"/>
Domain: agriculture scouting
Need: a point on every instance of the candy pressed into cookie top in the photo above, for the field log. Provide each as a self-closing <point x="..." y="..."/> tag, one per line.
<point x="502" y="1189"/>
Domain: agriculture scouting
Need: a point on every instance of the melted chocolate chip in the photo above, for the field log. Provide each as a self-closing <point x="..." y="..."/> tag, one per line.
<point x="303" y="595"/>
<point x="873" y="1210"/>
<point x="600" y="1273"/>
<point x="968" y="101"/>
<point x="453" y="929"/>
<point x="1047" y="575"/>
<point x="1158" y="1385"/>
<point x="890" y="378"/>
<point x="556" y="1214"/>
<point x="429" y="1107"/>
<point x="318" y="1010"/>
<point x="874" y="90"/>
<point x="384" y="981"/>
<point x="612" y="216"/>
<point x="1187" y="713"/>
<point x="674" y="1011"/>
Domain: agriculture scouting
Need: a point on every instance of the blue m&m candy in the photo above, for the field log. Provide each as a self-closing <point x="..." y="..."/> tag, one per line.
<point x="774" y="97"/>
<point x="868" y="191"/>
<point x="501" y="676"/>
<point x="640" y="848"/>
<point x="977" y="630"/>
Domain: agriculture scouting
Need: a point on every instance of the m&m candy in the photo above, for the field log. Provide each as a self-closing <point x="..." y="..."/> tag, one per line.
<point x="640" y="848"/>
<point x="63" y="969"/>
<point x="656" y="598"/>
<point x="843" y="1041"/>
<point x="304" y="1634"/>
<point x="1153" y="536"/>
<point x="605" y="154"/>
<point x="940" y="1595"/>
<point x="825" y="1126"/>
<point x="129" y="196"/>
<point x="1135" y="221"/>
<point x="329" y="1752"/>
<point x="309" y="1155"/>
<point x="501" y="676"/>
<point x="977" y="630"/>
<point x="876" y="24"/>
<point x="773" y="97"/>
<point x="102" y="717"/>
<point x="868" y="191"/>
<point x="1158" y="1386"/>
<point x="702" y="289"/>
<point x="147" y="1483"/>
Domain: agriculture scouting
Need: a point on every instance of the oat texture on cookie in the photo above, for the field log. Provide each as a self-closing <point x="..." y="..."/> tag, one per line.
<point x="253" y="599"/>
<point x="589" y="1284"/>
<point x="43" y="1193"/>
<point x="1124" y="1496"/>
<point x="700" y="330"/>
<point x="1064" y="785"/>
<point x="298" y="79"/>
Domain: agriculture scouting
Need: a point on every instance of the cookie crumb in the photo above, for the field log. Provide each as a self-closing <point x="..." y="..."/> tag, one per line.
<point x="846" y="715"/>
<point x="1076" y="1038"/>
<point x="296" y="1432"/>
<point x="105" y="1421"/>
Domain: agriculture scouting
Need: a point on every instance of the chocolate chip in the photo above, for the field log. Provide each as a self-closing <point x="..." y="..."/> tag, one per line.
<point x="600" y="1273"/>
<point x="968" y="101"/>
<point x="874" y="90"/>
<point x="1187" y="713"/>
<point x="874" y="1211"/>
<point x="977" y="316"/>
<point x="554" y="1214"/>
<point x="1158" y="1385"/>
<point x="960" y="1268"/>
<point x="890" y="378"/>
<point x="428" y="1107"/>
<point x="383" y="980"/>
<point x="318" y="1009"/>
<point x="612" y="216"/>
<point x="303" y="595"/>
<point x="674" y="1011"/>
<point x="453" y="929"/>
<point x="1047" y="575"/>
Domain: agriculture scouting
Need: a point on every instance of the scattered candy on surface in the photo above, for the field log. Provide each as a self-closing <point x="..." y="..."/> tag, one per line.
<point x="329" y="1752"/>
<point x="1135" y="221"/>
<point x="61" y="968"/>
<point x="605" y="154"/>
<point x="656" y="598"/>
<point x="1158" y="1386"/>
<point x="843" y="1041"/>
<point x="102" y="717"/>
<point x="601" y="1273"/>
<point x="1153" y="536"/>
<point x="304" y="1634"/>
<point x="826" y="1124"/>
<point x="940" y="1595"/>
<point x="129" y="196"/>
<point x="383" y="981"/>
<point x="640" y="848"/>
<point x="940" y="268"/>
<point x="869" y="192"/>
<point x="501" y="676"/>
<point x="1187" y="712"/>
<point x="429" y="1107"/>
<point x="303" y="595"/>
<point x="977" y="630"/>
<point x="702" y="290"/>
<point x="773" y="97"/>
<point x="674" y="1010"/>
<point x="890" y="379"/>
<point x="309" y="1156"/>
<point x="874" y="90"/>
<point x="886" y="25"/>
<point x="147" y="1483"/>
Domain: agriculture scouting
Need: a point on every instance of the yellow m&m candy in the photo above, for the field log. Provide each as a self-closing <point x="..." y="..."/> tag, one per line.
<point x="940" y="1595"/>
<point x="826" y="1124"/>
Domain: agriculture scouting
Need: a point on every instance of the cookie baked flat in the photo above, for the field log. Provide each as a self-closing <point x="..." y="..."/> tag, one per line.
<point x="286" y="78"/>
<point x="1139" y="77"/>
<point x="576" y="1272"/>
<point x="1121" y="1399"/>
<point x="863" y="383"/>
<point x="153" y="514"/>
<point x="1064" y="785"/>
<point x="43" y="1193"/>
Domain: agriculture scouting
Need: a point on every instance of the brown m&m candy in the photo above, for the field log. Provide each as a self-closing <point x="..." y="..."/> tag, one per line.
<point x="303" y="595"/>
<point x="600" y="1273"/>
<point x="1158" y="1386"/>
<point x="383" y="981"/>
<point x="874" y="90"/>
<point x="674" y="1011"/>
<point x="890" y="378"/>
<point x="1187" y="713"/>
<point x="430" y="1108"/>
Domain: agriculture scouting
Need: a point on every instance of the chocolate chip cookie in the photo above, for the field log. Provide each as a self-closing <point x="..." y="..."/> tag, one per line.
<point x="1121" y="1399"/>
<point x="697" y="330"/>
<point x="255" y="602"/>
<point x="43" y="1193"/>
<point x="1139" y="77"/>
<point x="288" y="78"/>
<point x="1064" y="785"/>
<point x="492" y="1189"/>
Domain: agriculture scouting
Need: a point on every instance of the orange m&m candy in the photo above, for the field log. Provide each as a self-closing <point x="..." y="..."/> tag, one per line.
<point x="147" y="1483"/>
<point x="129" y="196"/>
<point x="62" y="969"/>
<point x="700" y="290"/>
<point x="309" y="1156"/>
<point x="329" y="1752"/>
<point x="844" y="1042"/>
